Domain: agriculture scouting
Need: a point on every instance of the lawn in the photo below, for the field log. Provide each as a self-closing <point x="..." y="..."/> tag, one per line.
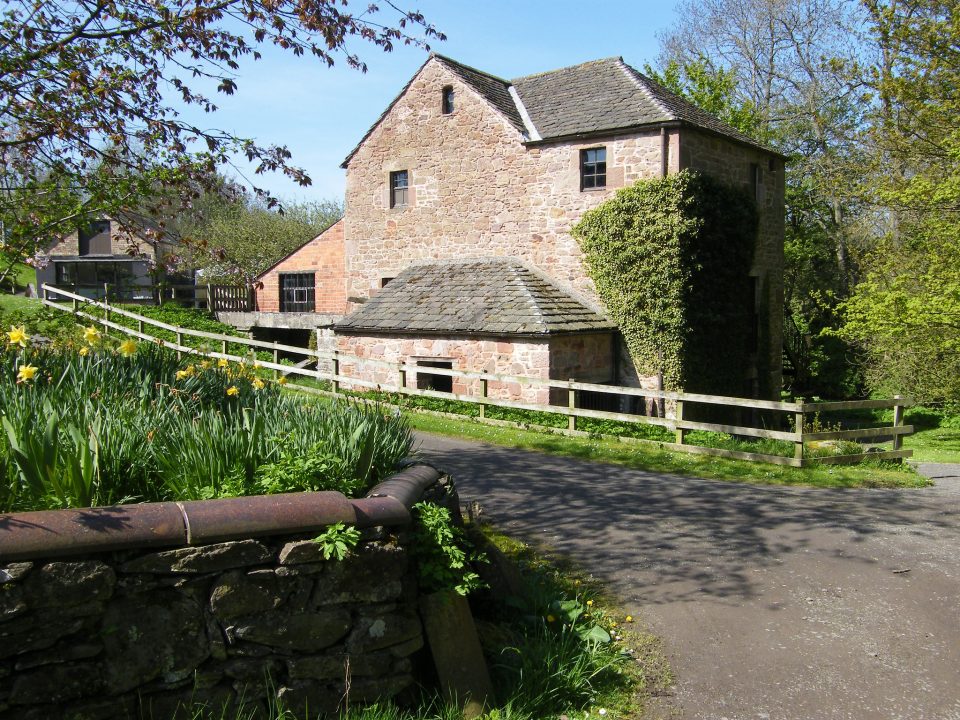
<point x="651" y="458"/>
<point x="935" y="445"/>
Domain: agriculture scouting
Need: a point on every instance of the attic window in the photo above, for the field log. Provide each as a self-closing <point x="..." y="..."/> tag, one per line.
<point x="593" y="168"/>
<point x="447" y="101"/>
<point x="399" y="183"/>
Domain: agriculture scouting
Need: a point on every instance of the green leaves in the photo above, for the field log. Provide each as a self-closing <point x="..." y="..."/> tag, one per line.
<point x="442" y="551"/>
<point x="337" y="540"/>
<point x="670" y="259"/>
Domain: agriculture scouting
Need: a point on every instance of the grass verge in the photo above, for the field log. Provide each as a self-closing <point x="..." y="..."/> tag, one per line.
<point x="936" y="445"/>
<point x="650" y="458"/>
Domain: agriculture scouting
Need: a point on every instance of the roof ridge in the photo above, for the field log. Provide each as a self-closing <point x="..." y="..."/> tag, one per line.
<point x="450" y="60"/>
<point x="612" y="58"/>
<point x="641" y="80"/>
<point x="515" y="268"/>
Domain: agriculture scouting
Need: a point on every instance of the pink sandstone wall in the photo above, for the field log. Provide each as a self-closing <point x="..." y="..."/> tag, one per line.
<point x="528" y="358"/>
<point x="322" y="256"/>
<point x="475" y="189"/>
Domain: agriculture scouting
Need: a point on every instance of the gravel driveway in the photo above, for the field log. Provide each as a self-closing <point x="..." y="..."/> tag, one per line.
<point x="772" y="602"/>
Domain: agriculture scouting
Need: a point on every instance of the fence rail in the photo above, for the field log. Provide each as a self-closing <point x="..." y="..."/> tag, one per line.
<point x="320" y="365"/>
<point x="216" y="298"/>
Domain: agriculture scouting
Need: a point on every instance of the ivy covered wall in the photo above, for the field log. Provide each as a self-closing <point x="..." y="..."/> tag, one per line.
<point x="671" y="258"/>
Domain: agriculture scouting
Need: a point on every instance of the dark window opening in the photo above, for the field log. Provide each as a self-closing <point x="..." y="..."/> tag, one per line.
<point x="429" y="381"/>
<point x="94" y="239"/>
<point x="297" y="292"/>
<point x="593" y="168"/>
<point x="756" y="181"/>
<point x="398" y="188"/>
<point x="447" y="100"/>
<point x="385" y="281"/>
<point x="753" y="314"/>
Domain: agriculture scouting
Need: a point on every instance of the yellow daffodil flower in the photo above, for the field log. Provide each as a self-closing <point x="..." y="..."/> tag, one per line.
<point x="185" y="373"/>
<point x="84" y="351"/>
<point x="91" y="335"/>
<point x="282" y="381"/>
<point x="222" y="363"/>
<point x="205" y="364"/>
<point x="629" y="618"/>
<point x="232" y="391"/>
<point x="128" y="347"/>
<point x="589" y="603"/>
<point x="26" y="373"/>
<point x="17" y="336"/>
<point x="258" y="383"/>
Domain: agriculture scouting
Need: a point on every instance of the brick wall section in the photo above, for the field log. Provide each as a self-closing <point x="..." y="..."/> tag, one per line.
<point x="731" y="163"/>
<point x="322" y="256"/>
<point x="476" y="191"/>
<point x="502" y="356"/>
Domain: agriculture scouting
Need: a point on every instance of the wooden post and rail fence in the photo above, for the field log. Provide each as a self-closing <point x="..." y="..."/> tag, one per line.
<point x="215" y="298"/>
<point x="328" y="366"/>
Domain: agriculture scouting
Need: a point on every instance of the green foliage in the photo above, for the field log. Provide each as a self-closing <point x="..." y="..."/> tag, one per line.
<point x="105" y="428"/>
<point x="442" y="552"/>
<point x="337" y="540"/>
<point x="235" y="240"/>
<point x="670" y="259"/>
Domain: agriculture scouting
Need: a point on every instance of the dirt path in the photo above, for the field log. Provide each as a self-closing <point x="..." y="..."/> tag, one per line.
<point x="773" y="602"/>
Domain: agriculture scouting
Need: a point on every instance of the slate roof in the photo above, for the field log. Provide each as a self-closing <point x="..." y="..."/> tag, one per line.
<point x="473" y="297"/>
<point x="594" y="98"/>
<point x="607" y="95"/>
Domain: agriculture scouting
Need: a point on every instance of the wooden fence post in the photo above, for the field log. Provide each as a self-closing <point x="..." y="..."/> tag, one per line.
<point x="276" y="361"/>
<point x="209" y="297"/>
<point x="179" y="345"/>
<point x="897" y="421"/>
<point x="571" y="404"/>
<point x="483" y="393"/>
<point x="139" y="326"/>
<point x="223" y="346"/>
<point x="680" y="432"/>
<point x="798" y="429"/>
<point x="403" y="380"/>
<point x="336" y="370"/>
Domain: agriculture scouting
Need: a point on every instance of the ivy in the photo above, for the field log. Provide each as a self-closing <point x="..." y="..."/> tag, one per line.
<point x="670" y="258"/>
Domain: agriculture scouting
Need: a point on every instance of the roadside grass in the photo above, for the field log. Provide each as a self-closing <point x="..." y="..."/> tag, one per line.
<point x="936" y="445"/>
<point x="876" y="474"/>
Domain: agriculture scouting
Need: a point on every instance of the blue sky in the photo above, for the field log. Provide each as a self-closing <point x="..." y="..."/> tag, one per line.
<point x="321" y="113"/>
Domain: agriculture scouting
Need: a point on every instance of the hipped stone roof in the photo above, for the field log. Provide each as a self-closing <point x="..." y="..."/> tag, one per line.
<point x="491" y="297"/>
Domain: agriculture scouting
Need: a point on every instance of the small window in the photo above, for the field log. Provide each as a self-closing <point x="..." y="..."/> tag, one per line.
<point x="385" y="281"/>
<point x="756" y="181"/>
<point x="593" y="168"/>
<point x="429" y="381"/>
<point x="399" y="188"/>
<point x="297" y="292"/>
<point x="447" y="100"/>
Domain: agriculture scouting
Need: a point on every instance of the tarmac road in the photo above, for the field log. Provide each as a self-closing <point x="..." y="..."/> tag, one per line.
<point x="779" y="603"/>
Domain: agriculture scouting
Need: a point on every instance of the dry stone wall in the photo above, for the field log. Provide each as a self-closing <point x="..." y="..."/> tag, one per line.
<point x="137" y="634"/>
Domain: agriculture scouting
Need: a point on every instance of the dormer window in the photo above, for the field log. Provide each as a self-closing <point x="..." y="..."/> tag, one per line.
<point x="447" y="101"/>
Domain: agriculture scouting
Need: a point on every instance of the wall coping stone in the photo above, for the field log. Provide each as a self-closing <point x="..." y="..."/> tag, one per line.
<point x="45" y="533"/>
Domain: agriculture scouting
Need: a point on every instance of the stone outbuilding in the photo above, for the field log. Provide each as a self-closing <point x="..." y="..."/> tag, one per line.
<point x="464" y="164"/>
<point x="494" y="316"/>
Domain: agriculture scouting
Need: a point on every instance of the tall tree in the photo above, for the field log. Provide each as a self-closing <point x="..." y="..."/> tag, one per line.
<point x="794" y="68"/>
<point x="86" y="120"/>
<point x="906" y="313"/>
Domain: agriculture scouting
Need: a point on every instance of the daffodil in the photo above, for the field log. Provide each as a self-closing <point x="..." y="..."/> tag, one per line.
<point x="17" y="336"/>
<point x="84" y="351"/>
<point x="183" y="374"/>
<point x="258" y="383"/>
<point x="26" y="373"/>
<point x="629" y="618"/>
<point x="91" y="335"/>
<point x="128" y="348"/>
<point x="589" y="603"/>
<point x="282" y="381"/>
<point x="232" y="391"/>
<point x="222" y="363"/>
<point x="205" y="364"/>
